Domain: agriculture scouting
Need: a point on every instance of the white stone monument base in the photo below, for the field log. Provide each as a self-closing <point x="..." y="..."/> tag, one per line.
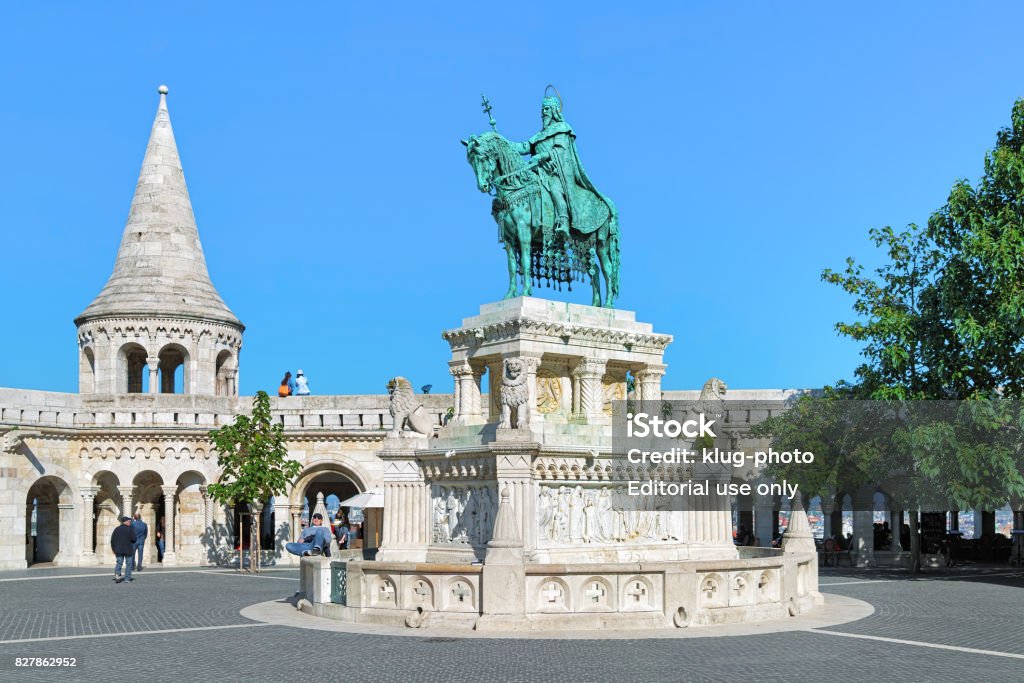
<point x="647" y="595"/>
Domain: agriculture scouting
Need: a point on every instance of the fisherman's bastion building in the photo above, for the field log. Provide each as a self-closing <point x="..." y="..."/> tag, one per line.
<point x="159" y="365"/>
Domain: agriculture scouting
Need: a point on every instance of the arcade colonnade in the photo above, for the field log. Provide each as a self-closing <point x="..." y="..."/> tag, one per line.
<point x="71" y="465"/>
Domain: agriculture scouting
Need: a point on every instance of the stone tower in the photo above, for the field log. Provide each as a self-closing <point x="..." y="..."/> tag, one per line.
<point x="159" y="324"/>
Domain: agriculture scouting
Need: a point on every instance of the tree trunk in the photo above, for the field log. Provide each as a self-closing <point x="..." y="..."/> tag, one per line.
<point x="254" y="544"/>
<point x="915" y="544"/>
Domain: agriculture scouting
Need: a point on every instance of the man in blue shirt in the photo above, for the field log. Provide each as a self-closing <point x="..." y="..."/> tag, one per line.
<point x="313" y="540"/>
<point x="141" y="530"/>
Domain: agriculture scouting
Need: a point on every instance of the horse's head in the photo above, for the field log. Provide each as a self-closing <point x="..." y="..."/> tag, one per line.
<point x="481" y="156"/>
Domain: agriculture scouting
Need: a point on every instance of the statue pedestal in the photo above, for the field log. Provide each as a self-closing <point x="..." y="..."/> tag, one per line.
<point x="575" y="357"/>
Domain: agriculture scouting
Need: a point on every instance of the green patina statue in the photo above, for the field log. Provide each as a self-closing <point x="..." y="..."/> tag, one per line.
<point x="556" y="226"/>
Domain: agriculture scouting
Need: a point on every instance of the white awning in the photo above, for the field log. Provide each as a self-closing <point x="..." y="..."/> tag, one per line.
<point x="374" y="498"/>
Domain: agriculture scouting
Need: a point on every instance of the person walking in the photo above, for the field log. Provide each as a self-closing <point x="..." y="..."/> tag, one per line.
<point x="141" y="530"/>
<point x="301" y="384"/>
<point x="122" y="542"/>
<point x="287" y="387"/>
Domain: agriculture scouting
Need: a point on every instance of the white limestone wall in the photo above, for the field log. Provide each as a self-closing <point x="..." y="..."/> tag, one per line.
<point x="108" y="447"/>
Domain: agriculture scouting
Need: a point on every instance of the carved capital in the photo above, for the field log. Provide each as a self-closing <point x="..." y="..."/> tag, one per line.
<point x="460" y="369"/>
<point x="589" y="368"/>
<point x="89" y="492"/>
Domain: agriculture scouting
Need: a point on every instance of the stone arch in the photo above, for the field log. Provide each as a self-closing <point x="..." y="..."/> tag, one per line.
<point x="460" y="595"/>
<point x="173" y="356"/>
<point x="768" y="585"/>
<point x="742" y="588"/>
<point x="343" y="467"/>
<point x="321" y="479"/>
<point x="105" y="510"/>
<point x="383" y="591"/>
<point x="596" y="594"/>
<point x="132" y="372"/>
<point x="190" y="518"/>
<point x="638" y="594"/>
<point x="553" y="595"/>
<point x="712" y="590"/>
<point x="421" y="593"/>
<point x="50" y="519"/>
<point x="225" y="373"/>
<point x="147" y="499"/>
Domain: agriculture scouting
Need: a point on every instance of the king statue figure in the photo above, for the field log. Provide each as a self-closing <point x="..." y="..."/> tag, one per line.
<point x="577" y="203"/>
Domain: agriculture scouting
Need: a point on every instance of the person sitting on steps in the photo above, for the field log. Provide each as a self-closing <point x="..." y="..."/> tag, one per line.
<point x="313" y="540"/>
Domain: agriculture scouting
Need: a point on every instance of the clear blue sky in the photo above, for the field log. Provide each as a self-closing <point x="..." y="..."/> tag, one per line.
<point x="747" y="146"/>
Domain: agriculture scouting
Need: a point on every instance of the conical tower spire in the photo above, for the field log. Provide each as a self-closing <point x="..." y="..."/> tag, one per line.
<point x="160" y="268"/>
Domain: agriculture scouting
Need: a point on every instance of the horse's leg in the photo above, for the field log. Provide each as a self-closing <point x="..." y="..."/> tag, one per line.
<point x="508" y="237"/>
<point x="595" y="278"/>
<point x="513" y="269"/>
<point x="606" y="268"/>
<point x="523" y="229"/>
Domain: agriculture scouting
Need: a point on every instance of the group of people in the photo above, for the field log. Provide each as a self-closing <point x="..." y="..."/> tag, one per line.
<point x="297" y="386"/>
<point x="128" y="541"/>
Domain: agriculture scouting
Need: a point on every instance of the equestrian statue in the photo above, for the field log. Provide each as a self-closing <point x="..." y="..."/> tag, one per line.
<point x="556" y="227"/>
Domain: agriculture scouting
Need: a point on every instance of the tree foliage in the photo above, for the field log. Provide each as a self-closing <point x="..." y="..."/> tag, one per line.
<point x="254" y="461"/>
<point x="941" y="324"/>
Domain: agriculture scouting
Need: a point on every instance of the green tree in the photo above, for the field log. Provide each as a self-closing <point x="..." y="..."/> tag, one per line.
<point x="980" y="293"/>
<point x="255" y="465"/>
<point x="942" y="318"/>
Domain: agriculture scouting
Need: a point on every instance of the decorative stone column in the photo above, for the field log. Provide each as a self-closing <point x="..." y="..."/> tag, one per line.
<point x="533" y="418"/>
<point x="207" y="509"/>
<point x="467" y="393"/>
<point x="864" y="527"/>
<point x="67" y="553"/>
<point x="588" y="393"/>
<point x="828" y="504"/>
<point x="896" y="527"/>
<point x="154" y="382"/>
<point x="231" y="386"/>
<point x="127" y="507"/>
<point x="170" y="557"/>
<point x="764" y="521"/>
<point x="406" y="518"/>
<point x="88" y="500"/>
<point x="648" y="381"/>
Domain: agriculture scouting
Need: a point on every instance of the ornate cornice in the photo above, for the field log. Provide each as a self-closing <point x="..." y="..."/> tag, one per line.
<point x="156" y="326"/>
<point x="468" y="337"/>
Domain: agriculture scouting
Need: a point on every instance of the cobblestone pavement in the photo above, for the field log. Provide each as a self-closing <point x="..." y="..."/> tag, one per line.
<point x="184" y="625"/>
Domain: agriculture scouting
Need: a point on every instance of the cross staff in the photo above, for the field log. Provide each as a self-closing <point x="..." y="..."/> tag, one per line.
<point x="486" y="105"/>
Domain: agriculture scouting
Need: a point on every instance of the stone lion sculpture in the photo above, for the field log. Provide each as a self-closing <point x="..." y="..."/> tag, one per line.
<point x="714" y="390"/>
<point x="515" y="394"/>
<point x="712" y="399"/>
<point x="405" y="409"/>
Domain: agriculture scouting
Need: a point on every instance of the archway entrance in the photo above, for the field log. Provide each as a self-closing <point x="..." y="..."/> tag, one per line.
<point x="47" y="501"/>
<point x="329" y="484"/>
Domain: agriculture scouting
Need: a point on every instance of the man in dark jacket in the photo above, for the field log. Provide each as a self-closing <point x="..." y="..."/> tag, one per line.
<point x="141" y="532"/>
<point x="122" y="542"/>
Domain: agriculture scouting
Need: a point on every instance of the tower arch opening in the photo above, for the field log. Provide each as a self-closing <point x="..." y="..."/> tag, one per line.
<point x="132" y="371"/>
<point x="225" y="373"/>
<point x="174" y="369"/>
